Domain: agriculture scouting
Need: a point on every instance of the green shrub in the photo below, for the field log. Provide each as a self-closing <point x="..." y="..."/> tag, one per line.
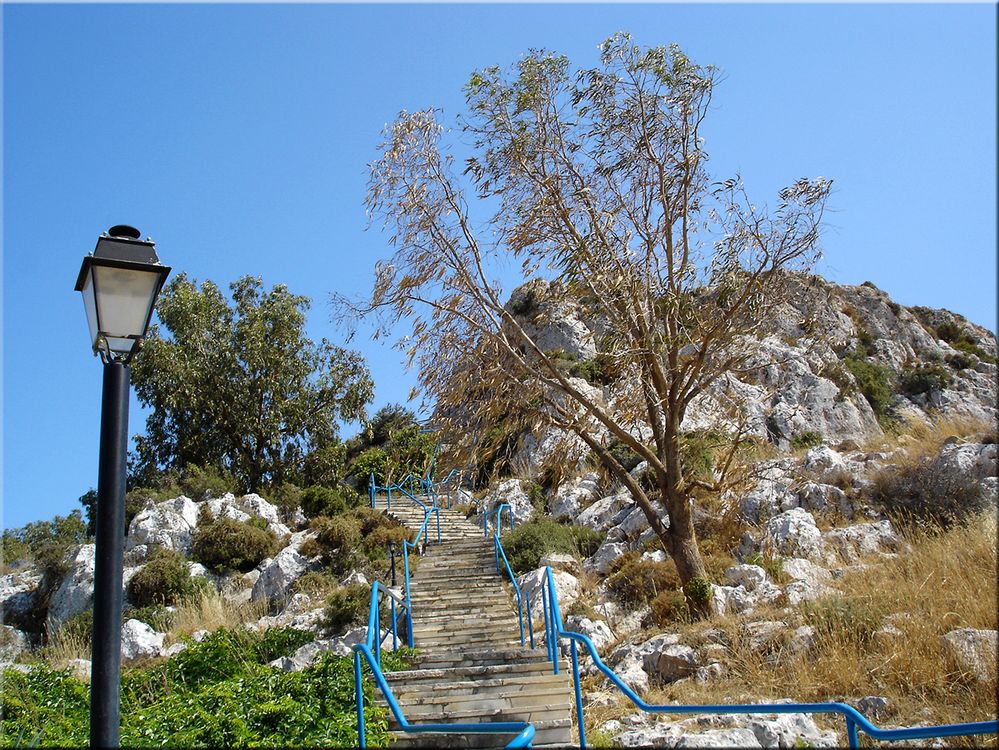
<point x="286" y="497"/>
<point x="340" y="534"/>
<point x="217" y="693"/>
<point x="838" y="374"/>
<point x="328" y="501"/>
<point x="163" y="580"/>
<point x="227" y="544"/>
<point x="345" y="607"/>
<point x="635" y="582"/>
<point x="529" y="542"/>
<point x="370" y="461"/>
<point x="623" y="454"/>
<point x="924" y="378"/>
<point x="920" y="495"/>
<point x="806" y="439"/>
<point x="969" y="347"/>
<point x="875" y="383"/>
<point x="156" y="616"/>
<point x="698" y="590"/>
<point x="201" y="483"/>
<point x="278" y="642"/>
<point x="959" y="338"/>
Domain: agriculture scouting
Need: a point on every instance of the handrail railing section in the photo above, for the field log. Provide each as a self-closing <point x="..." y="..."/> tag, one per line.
<point x="554" y="629"/>
<point x="370" y="649"/>
<point x="500" y="554"/>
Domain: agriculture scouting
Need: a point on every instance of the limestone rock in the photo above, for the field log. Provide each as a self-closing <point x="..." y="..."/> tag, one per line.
<point x="573" y="495"/>
<point x="974" y="651"/>
<point x="720" y="738"/>
<point x="792" y="534"/>
<point x="672" y="663"/>
<point x="139" y="640"/>
<point x="80" y="669"/>
<point x="599" y="515"/>
<point x="76" y="591"/>
<point x="168" y="524"/>
<point x="854" y="542"/>
<point x="561" y="561"/>
<point x="763" y="634"/>
<point x="12" y="643"/>
<point x="749" y="576"/>
<point x="596" y="630"/>
<point x="511" y="492"/>
<point x="606" y="554"/>
<point x="567" y="588"/>
<point x="278" y="573"/>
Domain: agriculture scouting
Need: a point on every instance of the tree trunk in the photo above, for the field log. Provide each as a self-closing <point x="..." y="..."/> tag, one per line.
<point x="681" y="543"/>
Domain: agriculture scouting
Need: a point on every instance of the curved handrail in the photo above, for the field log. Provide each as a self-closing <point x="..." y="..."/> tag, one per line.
<point x="499" y="553"/>
<point x="854" y="719"/>
<point x="524" y="730"/>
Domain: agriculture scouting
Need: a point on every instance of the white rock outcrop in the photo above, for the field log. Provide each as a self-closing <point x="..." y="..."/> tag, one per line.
<point x="76" y="591"/>
<point x="139" y="640"/>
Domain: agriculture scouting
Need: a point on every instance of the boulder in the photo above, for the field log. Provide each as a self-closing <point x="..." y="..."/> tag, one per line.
<point x="768" y="499"/>
<point x="173" y="650"/>
<point x="872" y="706"/>
<point x="226" y="506"/>
<point x="973" y="651"/>
<point x="573" y="495"/>
<point x="12" y="643"/>
<point x="632" y="672"/>
<point x="168" y="524"/>
<point x="76" y="591"/>
<point x="748" y="576"/>
<point x="792" y="534"/>
<point x="672" y="662"/>
<point x="824" y="497"/>
<point x="828" y="466"/>
<point x="278" y="573"/>
<point x="596" y="630"/>
<point x="729" y="600"/>
<point x="255" y="505"/>
<point x="561" y="561"/>
<point x="599" y="515"/>
<point x="861" y="540"/>
<point x="720" y="738"/>
<point x="606" y="554"/>
<point x="138" y="640"/>
<point x="567" y="588"/>
<point x="511" y="492"/>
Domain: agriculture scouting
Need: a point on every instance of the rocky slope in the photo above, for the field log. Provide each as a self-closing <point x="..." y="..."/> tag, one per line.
<point x="808" y="521"/>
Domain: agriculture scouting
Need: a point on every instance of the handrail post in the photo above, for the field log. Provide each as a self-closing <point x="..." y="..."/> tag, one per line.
<point x="359" y="693"/>
<point x="579" y="695"/>
<point x="544" y="608"/>
<point x="371" y="489"/>
<point x="395" y="642"/>
<point x="530" y="621"/>
<point x="437" y="511"/>
<point x="378" y="633"/>
<point x="388" y="498"/>
<point x="409" y="602"/>
<point x="851" y="733"/>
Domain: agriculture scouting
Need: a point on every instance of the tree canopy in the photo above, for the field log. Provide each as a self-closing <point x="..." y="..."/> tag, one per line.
<point x="240" y="387"/>
<point x="597" y="179"/>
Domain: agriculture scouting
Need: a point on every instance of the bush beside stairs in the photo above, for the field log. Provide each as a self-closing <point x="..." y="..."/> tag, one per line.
<point x="470" y="666"/>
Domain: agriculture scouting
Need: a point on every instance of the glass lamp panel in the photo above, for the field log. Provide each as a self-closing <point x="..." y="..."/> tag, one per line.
<point x="124" y="297"/>
<point x="90" y="306"/>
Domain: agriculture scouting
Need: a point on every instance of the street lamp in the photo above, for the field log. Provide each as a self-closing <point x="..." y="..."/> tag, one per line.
<point x="120" y="283"/>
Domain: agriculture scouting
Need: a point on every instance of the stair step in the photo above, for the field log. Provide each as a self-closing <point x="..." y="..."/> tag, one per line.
<point x="449" y="685"/>
<point x="447" y="699"/>
<point x="547" y="734"/>
<point x="513" y="669"/>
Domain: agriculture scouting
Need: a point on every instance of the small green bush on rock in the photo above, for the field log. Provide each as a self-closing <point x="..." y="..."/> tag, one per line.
<point x="163" y="580"/>
<point x="634" y="581"/>
<point x="346" y="607"/>
<point x="227" y="544"/>
<point x="529" y="542"/>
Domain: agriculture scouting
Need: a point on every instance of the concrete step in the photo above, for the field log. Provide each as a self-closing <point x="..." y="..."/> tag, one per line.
<point x="446" y="688"/>
<point x="487" y="619"/>
<point x="547" y="734"/>
<point x="458" y="658"/>
<point x="522" y="663"/>
<point x="474" y="714"/>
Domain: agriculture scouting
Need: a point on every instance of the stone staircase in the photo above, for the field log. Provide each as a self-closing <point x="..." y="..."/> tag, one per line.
<point x="471" y="667"/>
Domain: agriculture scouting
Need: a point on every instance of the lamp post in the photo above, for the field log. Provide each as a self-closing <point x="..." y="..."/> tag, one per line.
<point x="120" y="282"/>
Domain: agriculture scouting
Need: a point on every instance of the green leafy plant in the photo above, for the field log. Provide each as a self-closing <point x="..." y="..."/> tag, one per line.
<point x="924" y="378"/>
<point x="163" y="580"/>
<point x="875" y="383"/>
<point x="529" y="542"/>
<point x="698" y="590"/>
<point x="345" y="607"/>
<point x="806" y="439"/>
<point x="226" y="544"/>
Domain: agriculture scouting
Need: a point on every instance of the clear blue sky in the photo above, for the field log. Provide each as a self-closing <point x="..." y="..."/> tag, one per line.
<point x="237" y="137"/>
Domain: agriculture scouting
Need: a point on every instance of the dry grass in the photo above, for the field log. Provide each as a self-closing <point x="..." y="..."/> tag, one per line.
<point x="922" y="439"/>
<point x="210" y="611"/>
<point x="947" y="581"/>
<point x="64" y="646"/>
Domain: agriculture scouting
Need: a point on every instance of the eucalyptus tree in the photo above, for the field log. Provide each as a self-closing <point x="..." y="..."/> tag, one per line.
<point x="241" y="388"/>
<point x="596" y="178"/>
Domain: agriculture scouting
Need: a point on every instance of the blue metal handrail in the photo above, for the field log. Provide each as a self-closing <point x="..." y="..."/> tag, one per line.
<point x="554" y="629"/>
<point x="499" y="554"/>
<point x="371" y="651"/>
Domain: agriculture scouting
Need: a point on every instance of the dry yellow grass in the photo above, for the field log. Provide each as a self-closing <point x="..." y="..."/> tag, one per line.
<point x="210" y="611"/>
<point x="65" y="645"/>
<point x="947" y="581"/>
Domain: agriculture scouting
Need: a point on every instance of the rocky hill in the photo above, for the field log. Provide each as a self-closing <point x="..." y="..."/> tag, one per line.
<point x="877" y="424"/>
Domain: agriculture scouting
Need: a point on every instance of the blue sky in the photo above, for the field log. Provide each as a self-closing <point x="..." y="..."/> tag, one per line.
<point x="237" y="136"/>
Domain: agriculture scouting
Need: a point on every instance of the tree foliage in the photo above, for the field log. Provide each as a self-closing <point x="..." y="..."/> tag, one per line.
<point x="598" y="180"/>
<point x="241" y="388"/>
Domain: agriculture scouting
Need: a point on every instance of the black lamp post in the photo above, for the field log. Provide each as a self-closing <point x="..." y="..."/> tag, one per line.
<point x="120" y="283"/>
